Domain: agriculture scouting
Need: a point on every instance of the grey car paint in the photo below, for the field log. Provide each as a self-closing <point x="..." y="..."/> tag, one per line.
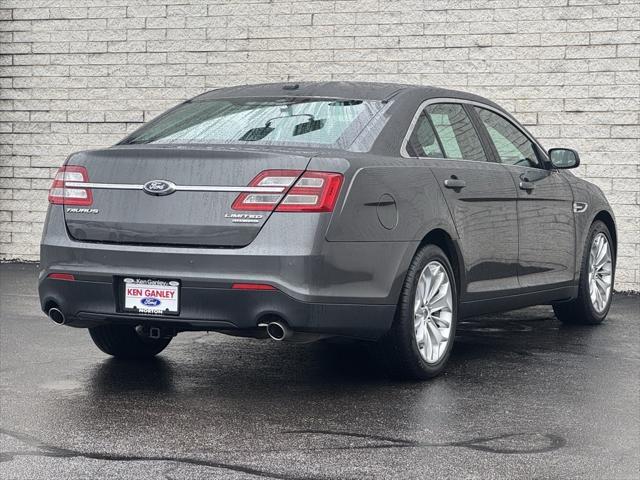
<point x="184" y="218"/>
<point x="546" y="227"/>
<point x="339" y="272"/>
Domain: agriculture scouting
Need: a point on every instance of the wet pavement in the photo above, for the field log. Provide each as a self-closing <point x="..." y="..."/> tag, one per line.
<point x="523" y="397"/>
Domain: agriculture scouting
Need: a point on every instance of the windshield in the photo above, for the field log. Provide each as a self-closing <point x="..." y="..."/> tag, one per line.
<point x="272" y="121"/>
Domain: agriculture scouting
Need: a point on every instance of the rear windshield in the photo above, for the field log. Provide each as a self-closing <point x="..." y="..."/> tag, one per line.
<point x="272" y="121"/>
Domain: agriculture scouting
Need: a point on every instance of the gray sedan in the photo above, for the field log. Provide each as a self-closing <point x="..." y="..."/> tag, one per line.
<point x="311" y="211"/>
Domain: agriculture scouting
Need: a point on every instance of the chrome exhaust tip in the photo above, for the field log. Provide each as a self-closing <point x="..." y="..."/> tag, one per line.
<point x="278" y="331"/>
<point x="56" y="316"/>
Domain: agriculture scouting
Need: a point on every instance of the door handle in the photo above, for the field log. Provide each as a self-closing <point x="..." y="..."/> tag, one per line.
<point x="454" y="183"/>
<point x="526" y="185"/>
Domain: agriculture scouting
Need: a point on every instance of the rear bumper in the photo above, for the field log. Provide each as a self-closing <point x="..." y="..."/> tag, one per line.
<point x="338" y="288"/>
<point x="88" y="303"/>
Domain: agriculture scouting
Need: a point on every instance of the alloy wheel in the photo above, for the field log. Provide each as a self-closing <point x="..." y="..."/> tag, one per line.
<point x="433" y="312"/>
<point x="600" y="272"/>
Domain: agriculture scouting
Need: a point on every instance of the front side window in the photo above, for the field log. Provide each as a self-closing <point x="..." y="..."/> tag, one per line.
<point x="291" y="121"/>
<point x="513" y="146"/>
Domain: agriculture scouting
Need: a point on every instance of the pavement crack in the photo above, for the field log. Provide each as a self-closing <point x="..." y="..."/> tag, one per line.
<point x="549" y="442"/>
<point x="45" y="450"/>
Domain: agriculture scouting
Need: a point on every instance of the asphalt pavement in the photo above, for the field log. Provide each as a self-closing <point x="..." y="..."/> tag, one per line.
<point x="523" y="397"/>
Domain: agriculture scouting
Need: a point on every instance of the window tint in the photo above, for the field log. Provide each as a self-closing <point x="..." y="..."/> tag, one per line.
<point x="423" y="141"/>
<point x="513" y="147"/>
<point x="456" y="132"/>
<point x="264" y="121"/>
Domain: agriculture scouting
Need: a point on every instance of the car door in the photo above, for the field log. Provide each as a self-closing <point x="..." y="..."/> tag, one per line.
<point x="480" y="195"/>
<point x="545" y="204"/>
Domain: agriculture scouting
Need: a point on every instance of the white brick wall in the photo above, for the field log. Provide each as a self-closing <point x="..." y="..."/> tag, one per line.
<point x="79" y="74"/>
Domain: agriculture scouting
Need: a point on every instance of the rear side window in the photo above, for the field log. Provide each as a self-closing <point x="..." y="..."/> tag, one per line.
<point x="513" y="146"/>
<point x="457" y="134"/>
<point x="445" y="130"/>
<point x="423" y="141"/>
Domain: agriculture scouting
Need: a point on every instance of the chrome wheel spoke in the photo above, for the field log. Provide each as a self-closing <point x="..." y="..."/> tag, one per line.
<point x="435" y="345"/>
<point x="436" y="283"/>
<point x="440" y="299"/>
<point x="443" y="320"/>
<point x="602" y="251"/>
<point x="421" y="334"/>
<point x="443" y="303"/>
<point x="594" y="295"/>
<point x="601" y="283"/>
<point x="603" y="264"/>
<point x="442" y="334"/>
<point x="435" y="333"/>
<point x="428" y="347"/>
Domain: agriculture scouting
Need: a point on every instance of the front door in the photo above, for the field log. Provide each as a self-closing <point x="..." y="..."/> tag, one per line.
<point x="545" y="206"/>
<point x="481" y="197"/>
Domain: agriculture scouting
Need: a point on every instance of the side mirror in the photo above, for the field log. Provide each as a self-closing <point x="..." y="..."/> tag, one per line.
<point x="564" y="158"/>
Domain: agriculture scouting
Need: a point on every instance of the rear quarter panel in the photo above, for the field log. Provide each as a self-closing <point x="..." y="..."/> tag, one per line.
<point x="388" y="200"/>
<point x="387" y="206"/>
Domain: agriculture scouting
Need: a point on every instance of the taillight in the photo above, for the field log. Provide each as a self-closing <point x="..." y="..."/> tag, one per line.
<point x="310" y="192"/>
<point x="67" y="188"/>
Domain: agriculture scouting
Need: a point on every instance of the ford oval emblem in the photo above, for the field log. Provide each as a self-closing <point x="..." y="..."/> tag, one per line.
<point x="159" y="187"/>
<point x="150" y="302"/>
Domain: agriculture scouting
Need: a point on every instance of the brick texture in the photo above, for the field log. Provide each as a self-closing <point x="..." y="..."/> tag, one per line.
<point x="81" y="74"/>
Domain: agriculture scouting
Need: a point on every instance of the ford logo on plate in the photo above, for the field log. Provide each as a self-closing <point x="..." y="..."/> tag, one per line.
<point x="150" y="302"/>
<point x="159" y="187"/>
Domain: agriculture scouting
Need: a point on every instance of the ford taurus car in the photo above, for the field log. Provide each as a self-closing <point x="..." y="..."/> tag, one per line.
<point x="308" y="211"/>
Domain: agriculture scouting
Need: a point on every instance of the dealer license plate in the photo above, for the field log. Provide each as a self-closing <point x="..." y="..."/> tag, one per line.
<point x="151" y="296"/>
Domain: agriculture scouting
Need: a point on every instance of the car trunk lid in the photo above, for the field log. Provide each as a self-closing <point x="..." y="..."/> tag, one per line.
<point x="198" y="213"/>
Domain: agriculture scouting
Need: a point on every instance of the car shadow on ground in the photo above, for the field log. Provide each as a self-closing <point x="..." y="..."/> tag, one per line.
<point x="220" y="361"/>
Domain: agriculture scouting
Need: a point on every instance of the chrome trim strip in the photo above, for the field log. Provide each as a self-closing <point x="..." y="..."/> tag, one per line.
<point x="106" y="186"/>
<point x="207" y="188"/>
<point x="183" y="188"/>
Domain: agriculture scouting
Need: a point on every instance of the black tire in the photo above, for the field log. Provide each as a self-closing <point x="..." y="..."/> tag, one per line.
<point x="580" y="311"/>
<point x="122" y="341"/>
<point x="399" y="347"/>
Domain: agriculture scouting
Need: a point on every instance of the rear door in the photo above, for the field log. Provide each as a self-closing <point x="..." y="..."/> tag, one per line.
<point x="545" y="205"/>
<point x="480" y="195"/>
<point x="206" y="181"/>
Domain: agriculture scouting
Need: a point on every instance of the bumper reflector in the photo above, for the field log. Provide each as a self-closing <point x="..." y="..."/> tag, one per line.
<point x="252" y="286"/>
<point x="62" y="276"/>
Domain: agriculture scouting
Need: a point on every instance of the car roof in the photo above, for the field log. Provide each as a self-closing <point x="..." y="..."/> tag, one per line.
<point x="338" y="89"/>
